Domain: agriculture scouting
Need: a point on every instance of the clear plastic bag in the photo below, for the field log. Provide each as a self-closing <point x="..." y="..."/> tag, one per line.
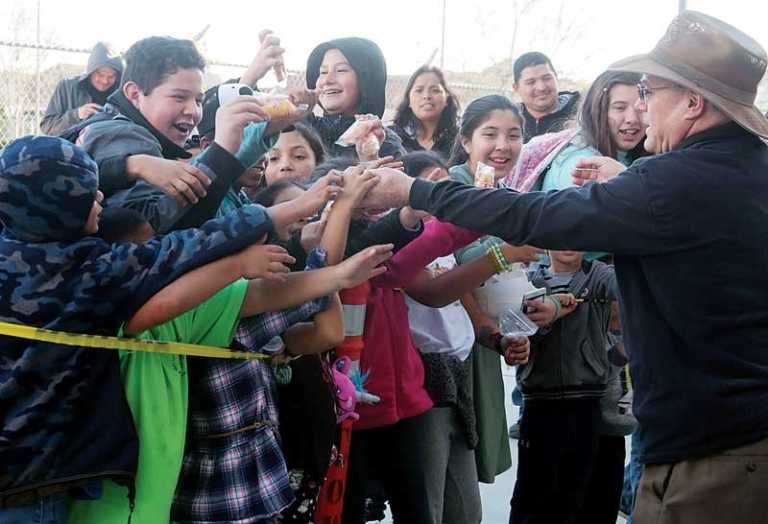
<point x="514" y="323"/>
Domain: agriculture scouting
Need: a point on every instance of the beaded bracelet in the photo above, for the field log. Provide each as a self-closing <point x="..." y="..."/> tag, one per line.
<point x="500" y="261"/>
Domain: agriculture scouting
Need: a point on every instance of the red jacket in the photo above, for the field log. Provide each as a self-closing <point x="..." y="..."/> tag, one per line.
<point x="396" y="372"/>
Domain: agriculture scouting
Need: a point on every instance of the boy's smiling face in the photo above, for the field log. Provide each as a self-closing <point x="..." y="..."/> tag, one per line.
<point x="174" y="107"/>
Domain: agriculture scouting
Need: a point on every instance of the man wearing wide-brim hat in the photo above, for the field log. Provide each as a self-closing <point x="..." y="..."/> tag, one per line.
<point x="689" y="230"/>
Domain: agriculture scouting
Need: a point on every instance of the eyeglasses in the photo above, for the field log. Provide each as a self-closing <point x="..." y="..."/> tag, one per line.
<point x="645" y="92"/>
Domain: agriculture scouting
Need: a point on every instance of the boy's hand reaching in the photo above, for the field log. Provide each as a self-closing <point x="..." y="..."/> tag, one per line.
<point x="232" y="118"/>
<point x="314" y="199"/>
<point x="183" y="182"/>
<point x="308" y="204"/>
<point x="363" y="266"/>
<point x="265" y="261"/>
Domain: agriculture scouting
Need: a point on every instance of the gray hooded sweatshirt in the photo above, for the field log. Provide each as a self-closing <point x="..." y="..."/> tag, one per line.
<point x="71" y="93"/>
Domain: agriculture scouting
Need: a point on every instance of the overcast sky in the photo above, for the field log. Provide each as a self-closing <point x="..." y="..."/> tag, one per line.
<point x="591" y="34"/>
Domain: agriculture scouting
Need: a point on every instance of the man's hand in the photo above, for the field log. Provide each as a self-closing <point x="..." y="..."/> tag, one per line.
<point x="596" y="169"/>
<point x="363" y="266"/>
<point x="232" y="118"/>
<point x="269" y="55"/>
<point x="265" y="261"/>
<point x="516" y="350"/>
<point x="180" y="180"/>
<point x="393" y="189"/>
<point x="522" y="254"/>
<point x="86" y="110"/>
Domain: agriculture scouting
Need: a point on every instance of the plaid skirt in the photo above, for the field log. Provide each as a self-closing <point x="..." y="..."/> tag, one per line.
<point x="239" y="479"/>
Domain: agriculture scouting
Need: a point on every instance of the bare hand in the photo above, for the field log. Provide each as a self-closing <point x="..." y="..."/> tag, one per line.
<point x="522" y="254"/>
<point x="568" y="303"/>
<point x="364" y="265"/>
<point x="180" y="180"/>
<point x="596" y="169"/>
<point x="393" y="189"/>
<point x="270" y="54"/>
<point x="517" y="350"/>
<point x="410" y="218"/>
<point x="265" y="261"/>
<point x="541" y="311"/>
<point x="315" y="198"/>
<point x="357" y="182"/>
<point x="301" y="96"/>
<point x="436" y="175"/>
<point x="312" y="233"/>
<point x="86" y="110"/>
<point x="232" y="118"/>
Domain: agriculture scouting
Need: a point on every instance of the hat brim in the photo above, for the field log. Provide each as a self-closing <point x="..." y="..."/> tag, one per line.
<point x="748" y="117"/>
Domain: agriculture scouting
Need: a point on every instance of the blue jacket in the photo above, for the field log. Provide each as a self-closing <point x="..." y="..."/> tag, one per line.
<point x="689" y="230"/>
<point x="63" y="413"/>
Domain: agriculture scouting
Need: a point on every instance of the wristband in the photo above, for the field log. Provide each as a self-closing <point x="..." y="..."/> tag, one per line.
<point x="500" y="261"/>
<point x="558" y="308"/>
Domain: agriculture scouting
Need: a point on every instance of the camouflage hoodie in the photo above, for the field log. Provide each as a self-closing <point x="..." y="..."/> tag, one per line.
<point x="63" y="415"/>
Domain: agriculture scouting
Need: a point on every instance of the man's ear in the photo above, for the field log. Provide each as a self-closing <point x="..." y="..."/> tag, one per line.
<point x="696" y="105"/>
<point x="132" y="92"/>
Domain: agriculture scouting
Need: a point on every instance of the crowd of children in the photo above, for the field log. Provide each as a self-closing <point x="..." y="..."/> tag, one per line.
<point x="178" y="215"/>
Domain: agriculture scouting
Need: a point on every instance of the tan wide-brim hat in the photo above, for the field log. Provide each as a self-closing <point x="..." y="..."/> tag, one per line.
<point x="708" y="56"/>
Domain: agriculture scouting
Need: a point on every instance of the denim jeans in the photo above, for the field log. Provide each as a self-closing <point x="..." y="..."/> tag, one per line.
<point x="52" y="509"/>
<point x="632" y="473"/>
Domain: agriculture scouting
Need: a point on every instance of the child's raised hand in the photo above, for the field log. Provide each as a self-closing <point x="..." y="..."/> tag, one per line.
<point x="265" y="261"/>
<point x="357" y="182"/>
<point x="363" y="266"/>
<point x="232" y="118"/>
<point x="325" y="189"/>
<point x="312" y="233"/>
<point x="522" y="254"/>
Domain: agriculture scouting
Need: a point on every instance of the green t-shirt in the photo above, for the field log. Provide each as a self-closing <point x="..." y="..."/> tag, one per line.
<point x="156" y="389"/>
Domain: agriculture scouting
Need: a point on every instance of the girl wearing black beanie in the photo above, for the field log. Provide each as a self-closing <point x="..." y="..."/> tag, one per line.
<point x="350" y="75"/>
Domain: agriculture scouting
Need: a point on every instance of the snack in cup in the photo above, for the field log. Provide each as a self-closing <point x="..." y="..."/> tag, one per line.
<point x="368" y="147"/>
<point x="277" y="106"/>
<point x="485" y="175"/>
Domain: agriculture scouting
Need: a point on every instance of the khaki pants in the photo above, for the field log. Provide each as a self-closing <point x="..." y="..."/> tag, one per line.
<point x="729" y="488"/>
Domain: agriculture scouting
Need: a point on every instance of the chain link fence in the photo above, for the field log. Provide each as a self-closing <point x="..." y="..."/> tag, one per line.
<point x="29" y="74"/>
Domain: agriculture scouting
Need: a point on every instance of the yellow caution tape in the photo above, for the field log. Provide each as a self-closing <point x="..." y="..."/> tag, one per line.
<point x="125" y="344"/>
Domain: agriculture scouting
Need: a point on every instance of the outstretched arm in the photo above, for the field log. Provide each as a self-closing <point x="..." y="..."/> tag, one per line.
<point x="325" y="332"/>
<point x="447" y="287"/>
<point x="200" y="284"/>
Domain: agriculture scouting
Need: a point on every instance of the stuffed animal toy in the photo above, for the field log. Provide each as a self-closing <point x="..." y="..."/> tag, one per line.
<point x="346" y="393"/>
